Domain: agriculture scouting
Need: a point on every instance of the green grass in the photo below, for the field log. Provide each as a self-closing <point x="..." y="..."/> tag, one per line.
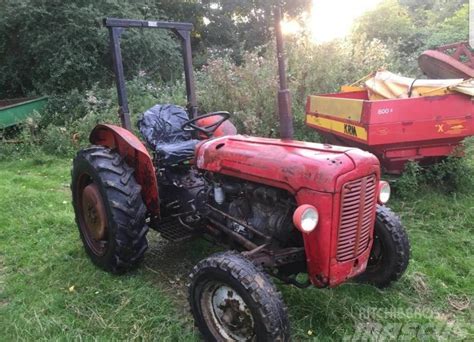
<point x="50" y="290"/>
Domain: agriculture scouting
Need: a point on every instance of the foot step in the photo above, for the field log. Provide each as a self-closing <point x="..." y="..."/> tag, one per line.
<point x="174" y="231"/>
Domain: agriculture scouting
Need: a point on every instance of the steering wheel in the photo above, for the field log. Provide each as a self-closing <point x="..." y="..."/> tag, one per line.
<point x="191" y="125"/>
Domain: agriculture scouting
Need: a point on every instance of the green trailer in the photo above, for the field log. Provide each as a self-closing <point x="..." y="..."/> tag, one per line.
<point x="15" y="111"/>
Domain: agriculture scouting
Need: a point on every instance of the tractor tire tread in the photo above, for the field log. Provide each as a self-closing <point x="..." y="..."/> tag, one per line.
<point x="258" y="285"/>
<point x="394" y="226"/>
<point x="387" y="219"/>
<point x="128" y="212"/>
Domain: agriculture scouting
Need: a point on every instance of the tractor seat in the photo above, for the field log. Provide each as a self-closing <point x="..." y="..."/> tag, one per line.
<point x="160" y="126"/>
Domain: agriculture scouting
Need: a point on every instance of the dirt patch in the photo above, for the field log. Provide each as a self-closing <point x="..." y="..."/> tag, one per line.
<point x="459" y="303"/>
<point x="169" y="264"/>
<point x="419" y="283"/>
<point x="3" y="270"/>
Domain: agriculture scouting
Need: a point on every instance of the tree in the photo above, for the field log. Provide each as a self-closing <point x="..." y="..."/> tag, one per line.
<point x="408" y="27"/>
<point x="451" y="30"/>
<point x="431" y="12"/>
<point x="389" y="22"/>
<point x="246" y="24"/>
<point x="54" y="46"/>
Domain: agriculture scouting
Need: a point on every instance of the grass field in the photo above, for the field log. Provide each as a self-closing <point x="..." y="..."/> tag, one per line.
<point x="49" y="290"/>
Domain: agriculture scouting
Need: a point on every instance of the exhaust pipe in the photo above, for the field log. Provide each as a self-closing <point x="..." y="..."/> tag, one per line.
<point x="284" y="98"/>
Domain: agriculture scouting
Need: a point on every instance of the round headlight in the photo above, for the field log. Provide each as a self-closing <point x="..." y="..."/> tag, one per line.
<point x="306" y="218"/>
<point x="384" y="192"/>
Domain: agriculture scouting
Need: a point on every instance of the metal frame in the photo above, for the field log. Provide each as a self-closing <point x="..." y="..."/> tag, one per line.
<point x="448" y="61"/>
<point x="284" y="97"/>
<point x="182" y="30"/>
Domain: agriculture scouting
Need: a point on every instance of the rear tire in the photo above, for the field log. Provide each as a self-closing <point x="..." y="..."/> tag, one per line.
<point x="232" y="300"/>
<point x="110" y="213"/>
<point x="390" y="252"/>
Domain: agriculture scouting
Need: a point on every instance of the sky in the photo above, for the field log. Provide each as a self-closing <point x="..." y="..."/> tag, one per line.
<point x="330" y="19"/>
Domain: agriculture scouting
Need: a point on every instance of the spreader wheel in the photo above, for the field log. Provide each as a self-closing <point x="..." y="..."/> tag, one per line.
<point x="390" y="252"/>
<point x="110" y="213"/>
<point x="232" y="300"/>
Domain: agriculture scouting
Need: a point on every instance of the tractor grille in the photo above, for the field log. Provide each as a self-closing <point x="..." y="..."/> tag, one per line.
<point x="357" y="214"/>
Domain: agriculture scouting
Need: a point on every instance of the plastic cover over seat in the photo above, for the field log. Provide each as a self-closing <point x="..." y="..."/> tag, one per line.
<point x="160" y="126"/>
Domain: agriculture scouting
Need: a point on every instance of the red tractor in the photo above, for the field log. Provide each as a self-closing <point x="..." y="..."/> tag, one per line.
<point x="281" y="207"/>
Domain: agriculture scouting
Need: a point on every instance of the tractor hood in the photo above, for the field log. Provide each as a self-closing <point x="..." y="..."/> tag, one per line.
<point x="287" y="164"/>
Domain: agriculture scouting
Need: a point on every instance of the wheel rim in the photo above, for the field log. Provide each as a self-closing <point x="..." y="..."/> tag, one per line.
<point x="92" y="215"/>
<point x="226" y="313"/>
<point x="376" y="254"/>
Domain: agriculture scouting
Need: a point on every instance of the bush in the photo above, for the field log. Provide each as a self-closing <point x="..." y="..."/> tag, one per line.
<point x="24" y="141"/>
<point x="451" y="175"/>
<point x="56" y="141"/>
<point x="248" y="91"/>
<point x="56" y="46"/>
<point x="469" y="149"/>
<point x="65" y="108"/>
<point x="453" y="29"/>
<point x="408" y="184"/>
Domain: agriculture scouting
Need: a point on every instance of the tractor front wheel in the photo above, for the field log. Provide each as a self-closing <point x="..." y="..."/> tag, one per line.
<point x="232" y="300"/>
<point x="390" y="252"/>
<point x="110" y="213"/>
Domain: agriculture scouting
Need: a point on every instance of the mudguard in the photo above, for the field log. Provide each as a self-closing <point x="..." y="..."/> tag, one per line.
<point x="136" y="156"/>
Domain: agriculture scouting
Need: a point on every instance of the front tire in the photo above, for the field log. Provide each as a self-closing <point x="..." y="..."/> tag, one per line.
<point x="231" y="300"/>
<point x="390" y="252"/>
<point x="110" y="213"/>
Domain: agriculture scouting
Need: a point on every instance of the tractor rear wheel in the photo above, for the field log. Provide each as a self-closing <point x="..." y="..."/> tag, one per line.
<point x="232" y="300"/>
<point x="110" y="213"/>
<point x="390" y="252"/>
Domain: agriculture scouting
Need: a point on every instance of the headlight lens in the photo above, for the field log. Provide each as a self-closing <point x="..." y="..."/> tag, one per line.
<point x="384" y="192"/>
<point x="306" y="218"/>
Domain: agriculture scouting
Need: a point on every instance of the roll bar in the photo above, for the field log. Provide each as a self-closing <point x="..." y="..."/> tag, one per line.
<point x="182" y="30"/>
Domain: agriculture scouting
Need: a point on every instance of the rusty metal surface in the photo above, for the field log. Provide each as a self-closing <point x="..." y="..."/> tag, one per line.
<point x="398" y="130"/>
<point x="240" y="222"/>
<point x="136" y="156"/>
<point x="226" y="312"/>
<point x="448" y="61"/>
<point x="247" y="244"/>
<point x="280" y="257"/>
<point x="314" y="173"/>
<point x="92" y="218"/>
<point x="460" y="51"/>
<point x="357" y="217"/>
<point x="95" y="217"/>
<point x="323" y="268"/>
<point x="289" y="165"/>
<point x="284" y="98"/>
